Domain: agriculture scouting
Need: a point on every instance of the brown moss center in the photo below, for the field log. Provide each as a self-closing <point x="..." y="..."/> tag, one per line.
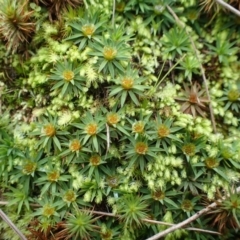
<point x="158" y="195"/>
<point x="95" y="160"/>
<point x="187" y="205"/>
<point x="189" y="149"/>
<point x="211" y="162"/>
<point x="29" y="167"/>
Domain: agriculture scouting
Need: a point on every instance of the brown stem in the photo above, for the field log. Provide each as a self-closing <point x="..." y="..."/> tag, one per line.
<point x="228" y="7"/>
<point x="180" y="23"/>
<point x="188" y="220"/>
<point x="10" y="224"/>
<point x="118" y="216"/>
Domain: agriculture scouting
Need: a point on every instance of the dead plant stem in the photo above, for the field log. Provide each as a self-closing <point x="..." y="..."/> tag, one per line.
<point x="189" y="220"/>
<point x="12" y="225"/>
<point x="118" y="216"/>
<point x="180" y="23"/>
<point x="228" y="7"/>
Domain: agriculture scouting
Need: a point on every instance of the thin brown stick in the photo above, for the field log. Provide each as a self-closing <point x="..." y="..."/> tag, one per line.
<point x="118" y="216"/>
<point x="188" y="220"/>
<point x="156" y="222"/>
<point x="11" y="225"/>
<point x="228" y="7"/>
<point x="180" y="23"/>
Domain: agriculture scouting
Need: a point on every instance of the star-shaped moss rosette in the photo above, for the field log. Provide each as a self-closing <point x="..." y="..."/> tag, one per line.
<point x="140" y="126"/>
<point x="113" y="120"/>
<point x="91" y="131"/>
<point x="139" y="152"/>
<point x="224" y="50"/>
<point x="163" y="196"/>
<point x="26" y="170"/>
<point x="81" y="225"/>
<point x="231" y="98"/>
<point x="75" y="149"/>
<point x="48" y="212"/>
<point x="93" y="166"/>
<point x="68" y="79"/>
<point x="128" y="85"/>
<point x="111" y="54"/>
<point x="191" y="145"/>
<point x="132" y="209"/>
<point x="175" y="42"/>
<point x="213" y="165"/>
<point x="193" y="100"/>
<point x="164" y="132"/>
<point x="86" y="29"/>
<point x="52" y="178"/>
<point x="49" y="134"/>
<point x="187" y="205"/>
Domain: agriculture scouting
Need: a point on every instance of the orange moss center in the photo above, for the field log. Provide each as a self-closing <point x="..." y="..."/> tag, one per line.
<point x="112" y="118"/>
<point x="163" y="131"/>
<point x="49" y="130"/>
<point x="88" y="30"/>
<point x="109" y="53"/>
<point x="91" y="129"/>
<point x="127" y="83"/>
<point x="138" y="127"/>
<point x="141" y="148"/>
<point x="68" y="75"/>
<point x="75" y="145"/>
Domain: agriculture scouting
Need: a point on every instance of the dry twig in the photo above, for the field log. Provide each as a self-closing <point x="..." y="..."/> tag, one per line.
<point x="118" y="216"/>
<point x="228" y="7"/>
<point x="10" y="223"/>
<point x="180" y="23"/>
<point x="188" y="220"/>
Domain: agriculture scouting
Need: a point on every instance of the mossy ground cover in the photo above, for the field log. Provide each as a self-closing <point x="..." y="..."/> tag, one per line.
<point x="116" y="113"/>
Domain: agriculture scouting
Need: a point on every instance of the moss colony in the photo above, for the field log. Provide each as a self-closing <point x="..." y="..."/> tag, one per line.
<point x="115" y="113"/>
